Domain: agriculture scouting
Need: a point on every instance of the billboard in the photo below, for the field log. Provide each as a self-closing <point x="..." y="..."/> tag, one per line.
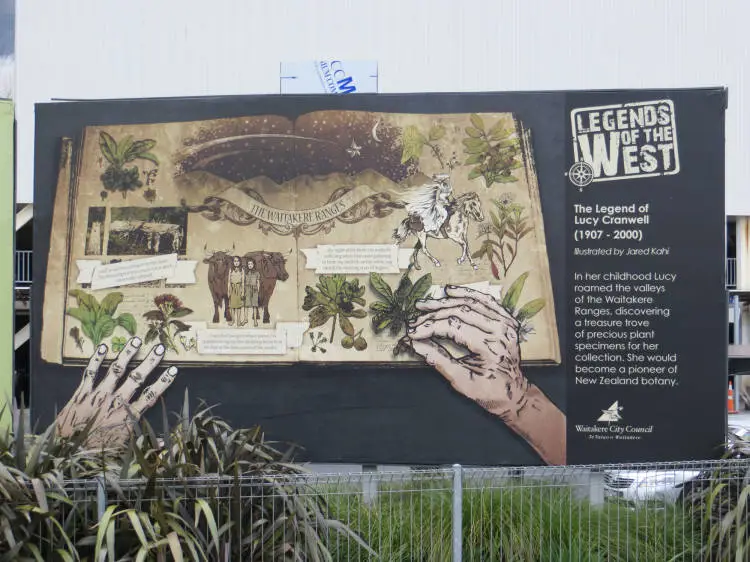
<point x="497" y="278"/>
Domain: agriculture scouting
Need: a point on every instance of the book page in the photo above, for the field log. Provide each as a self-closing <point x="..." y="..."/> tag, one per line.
<point x="266" y="239"/>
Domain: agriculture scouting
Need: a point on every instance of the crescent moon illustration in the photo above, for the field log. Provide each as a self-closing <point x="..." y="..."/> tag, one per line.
<point x="375" y="131"/>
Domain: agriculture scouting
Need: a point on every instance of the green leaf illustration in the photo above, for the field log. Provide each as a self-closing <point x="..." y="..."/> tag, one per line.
<point x="380" y="286"/>
<point x="319" y="316"/>
<point x="108" y="146"/>
<point x="380" y="306"/>
<point x="150" y="156"/>
<point x="127" y="322"/>
<point x="346" y="325"/>
<point x="475" y="146"/>
<point x="104" y="327"/>
<point x="477" y="121"/>
<point x="123" y="146"/>
<point x="83" y="315"/>
<point x="529" y="310"/>
<point x="418" y="291"/>
<point x="97" y="320"/>
<point x="179" y="326"/>
<point x="413" y="142"/>
<point x="110" y="303"/>
<point x="85" y="300"/>
<point x="510" y="300"/>
<point x="181" y="312"/>
<point x="138" y="149"/>
<point x="334" y="297"/>
<point x="437" y="132"/>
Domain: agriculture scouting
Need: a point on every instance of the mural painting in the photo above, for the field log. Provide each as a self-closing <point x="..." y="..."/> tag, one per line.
<point x="340" y="236"/>
<point x="265" y="239"/>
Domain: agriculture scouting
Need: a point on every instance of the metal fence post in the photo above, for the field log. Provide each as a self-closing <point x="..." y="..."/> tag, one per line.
<point x="458" y="493"/>
<point x="369" y="483"/>
<point x="596" y="487"/>
<point x="101" y="497"/>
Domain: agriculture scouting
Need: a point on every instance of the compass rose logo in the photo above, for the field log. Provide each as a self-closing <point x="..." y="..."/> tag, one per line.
<point x="581" y="174"/>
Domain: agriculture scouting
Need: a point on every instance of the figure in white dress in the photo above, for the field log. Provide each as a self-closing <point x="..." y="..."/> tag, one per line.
<point x="430" y="203"/>
<point x="433" y="212"/>
<point x="95" y="239"/>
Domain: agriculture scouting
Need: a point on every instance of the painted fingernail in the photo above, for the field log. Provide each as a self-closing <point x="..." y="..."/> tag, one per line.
<point x="159" y="349"/>
<point x="172" y="371"/>
<point x="136" y="342"/>
<point x="102" y="349"/>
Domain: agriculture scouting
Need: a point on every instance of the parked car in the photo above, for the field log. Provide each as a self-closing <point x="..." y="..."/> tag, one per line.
<point x="669" y="486"/>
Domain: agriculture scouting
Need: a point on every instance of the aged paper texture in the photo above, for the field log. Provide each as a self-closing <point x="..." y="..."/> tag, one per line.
<point x="266" y="239"/>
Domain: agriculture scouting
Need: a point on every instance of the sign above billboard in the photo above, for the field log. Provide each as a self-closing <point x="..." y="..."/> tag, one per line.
<point x="329" y="77"/>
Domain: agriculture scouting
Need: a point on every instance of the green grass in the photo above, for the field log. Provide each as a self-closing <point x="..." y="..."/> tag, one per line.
<point x="513" y="524"/>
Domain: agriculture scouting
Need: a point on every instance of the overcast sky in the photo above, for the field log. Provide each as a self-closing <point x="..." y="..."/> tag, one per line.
<point x="7" y="27"/>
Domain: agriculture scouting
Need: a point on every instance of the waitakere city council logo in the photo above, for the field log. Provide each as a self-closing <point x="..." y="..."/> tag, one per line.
<point x="609" y="426"/>
<point x="611" y="414"/>
<point x="623" y="141"/>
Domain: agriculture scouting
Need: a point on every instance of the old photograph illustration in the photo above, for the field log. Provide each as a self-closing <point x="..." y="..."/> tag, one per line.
<point x="270" y="239"/>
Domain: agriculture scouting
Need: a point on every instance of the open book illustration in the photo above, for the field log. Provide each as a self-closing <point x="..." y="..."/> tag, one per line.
<point x="266" y="239"/>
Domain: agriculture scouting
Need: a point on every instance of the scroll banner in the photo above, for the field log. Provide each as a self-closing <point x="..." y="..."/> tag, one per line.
<point x="132" y="272"/>
<point x="292" y="218"/>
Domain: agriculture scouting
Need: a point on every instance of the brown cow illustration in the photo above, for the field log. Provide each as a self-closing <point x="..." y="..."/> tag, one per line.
<point x="270" y="265"/>
<point x="218" y="281"/>
<point x="272" y="268"/>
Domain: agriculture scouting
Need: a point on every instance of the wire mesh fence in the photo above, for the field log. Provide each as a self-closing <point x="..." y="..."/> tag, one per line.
<point x="654" y="512"/>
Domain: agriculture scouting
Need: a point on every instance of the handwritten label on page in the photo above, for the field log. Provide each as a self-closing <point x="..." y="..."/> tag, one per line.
<point x="133" y="271"/>
<point x="355" y="259"/>
<point x="241" y="342"/>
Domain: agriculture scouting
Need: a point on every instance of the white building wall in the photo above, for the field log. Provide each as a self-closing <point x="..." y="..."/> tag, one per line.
<point x="86" y="49"/>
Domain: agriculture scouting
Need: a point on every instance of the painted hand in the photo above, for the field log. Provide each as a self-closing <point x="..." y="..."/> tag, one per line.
<point x="108" y="404"/>
<point x="490" y="373"/>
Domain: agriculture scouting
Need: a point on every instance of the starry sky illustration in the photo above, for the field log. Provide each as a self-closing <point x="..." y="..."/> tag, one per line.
<point x="318" y="143"/>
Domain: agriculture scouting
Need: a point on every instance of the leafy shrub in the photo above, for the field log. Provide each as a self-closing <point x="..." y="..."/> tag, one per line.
<point x="719" y="504"/>
<point x="257" y="511"/>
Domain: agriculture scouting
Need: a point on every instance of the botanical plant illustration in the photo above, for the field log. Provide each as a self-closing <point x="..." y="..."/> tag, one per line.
<point x="150" y="175"/>
<point x="413" y="142"/>
<point x="509" y="225"/>
<point x="118" y="343"/>
<point x="188" y="343"/>
<point x="98" y="320"/>
<point x="394" y="309"/>
<point x="334" y="297"/>
<point x="318" y="340"/>
<point x="117" y="175"/>
<point x="163" y="323"/>
<point x="354" y="340"/>
<point x="525" y="313"/>
<point x="149" y="194"/>
<point x="75" y="334"/>
<point x="493" y="152"/>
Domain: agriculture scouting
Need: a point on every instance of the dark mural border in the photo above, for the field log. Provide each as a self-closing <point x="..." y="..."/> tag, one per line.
<point x="342" y="413"/>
